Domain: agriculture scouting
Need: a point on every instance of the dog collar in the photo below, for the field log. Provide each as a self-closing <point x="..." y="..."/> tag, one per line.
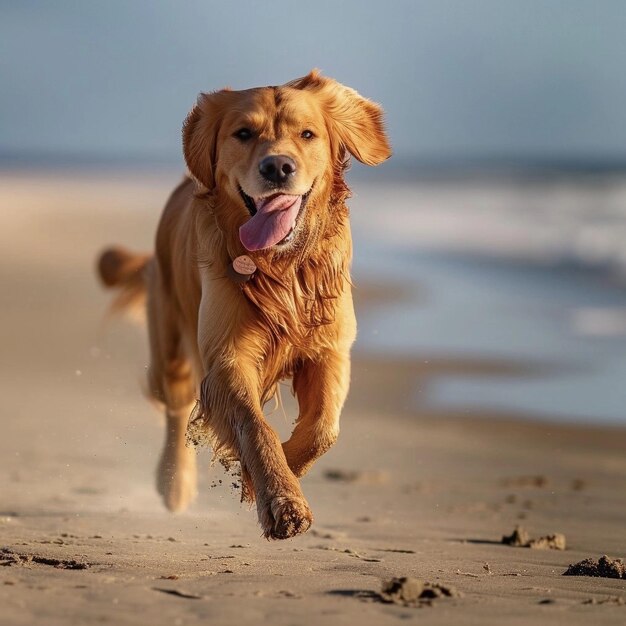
<point x="242" y="269"/>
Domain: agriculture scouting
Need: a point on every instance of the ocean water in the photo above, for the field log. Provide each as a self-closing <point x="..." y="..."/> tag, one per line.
<point x="526" y="271"/>
<point x="523" y="270"/>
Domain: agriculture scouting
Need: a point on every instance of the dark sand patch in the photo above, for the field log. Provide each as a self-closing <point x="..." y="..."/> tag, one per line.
<point x="363" y="477"/>
<point x="396" y="550"/>
<point x="604" y="567"/>
<point x="179" y="593"/>
<point x="9" y="558"/>
<point x="350" y="552"/>
<point x="327" y="534"/>
<point x="387" y="381"/>
<point x="537" y="482"/>
<point x="616" y="600"/>
<point x="286" y="593"/>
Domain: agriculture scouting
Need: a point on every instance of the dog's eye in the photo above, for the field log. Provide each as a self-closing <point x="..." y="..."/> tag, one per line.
<point x="243" y="134"/>
<point x="307" y="134"/>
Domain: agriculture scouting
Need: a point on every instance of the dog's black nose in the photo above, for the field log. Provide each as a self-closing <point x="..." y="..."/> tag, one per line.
<point x="277" y="168"/>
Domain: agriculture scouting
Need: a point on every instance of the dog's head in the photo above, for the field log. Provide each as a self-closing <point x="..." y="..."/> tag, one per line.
<point x="272" y="154"/>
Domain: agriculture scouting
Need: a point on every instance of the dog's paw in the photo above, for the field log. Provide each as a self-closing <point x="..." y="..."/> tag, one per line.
<point x="177" y="481"/>
<point x="283" y="517"/>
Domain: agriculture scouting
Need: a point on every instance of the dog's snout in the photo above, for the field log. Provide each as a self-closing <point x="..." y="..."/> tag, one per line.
<point x="277" y="168"/>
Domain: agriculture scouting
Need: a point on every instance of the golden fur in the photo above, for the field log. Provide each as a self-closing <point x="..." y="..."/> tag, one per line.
<point x="227" y="345"/>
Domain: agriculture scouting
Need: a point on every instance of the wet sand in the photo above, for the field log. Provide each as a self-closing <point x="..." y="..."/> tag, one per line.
<point x="411" y="489"/>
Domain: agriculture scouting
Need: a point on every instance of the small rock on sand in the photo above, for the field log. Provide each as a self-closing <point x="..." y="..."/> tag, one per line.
<point x="604" y="567"/>
<point x="521" y="539"/>
<point x="403" y="589"/>
<point x="555" y="541"/>
<point x="412" y="592"/>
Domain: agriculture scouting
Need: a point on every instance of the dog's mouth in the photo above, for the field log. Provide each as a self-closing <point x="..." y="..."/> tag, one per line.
<point x="273" y="219"/>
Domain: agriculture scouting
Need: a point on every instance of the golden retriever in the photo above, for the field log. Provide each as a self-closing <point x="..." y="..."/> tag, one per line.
<point x="250" y="284"/>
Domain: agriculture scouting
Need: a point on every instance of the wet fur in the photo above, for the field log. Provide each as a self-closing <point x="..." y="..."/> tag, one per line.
<point x="227" y="346"/>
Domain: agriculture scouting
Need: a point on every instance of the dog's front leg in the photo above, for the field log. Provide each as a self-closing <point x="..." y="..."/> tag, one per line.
<point x="321" y="387"/>
<point x="230" y="396"/>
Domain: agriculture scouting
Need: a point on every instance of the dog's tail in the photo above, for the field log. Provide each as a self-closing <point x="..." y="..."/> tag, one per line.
<point x="118" y="268"/>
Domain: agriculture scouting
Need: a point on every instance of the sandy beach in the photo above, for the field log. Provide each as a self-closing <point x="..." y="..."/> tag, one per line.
<point x="415" y="487"/>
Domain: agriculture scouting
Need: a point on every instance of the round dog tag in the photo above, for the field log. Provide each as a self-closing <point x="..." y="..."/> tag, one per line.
<point x="241" y="269"/>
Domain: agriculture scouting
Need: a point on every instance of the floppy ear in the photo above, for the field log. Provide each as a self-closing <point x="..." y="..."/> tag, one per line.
<point x="200" y="131"/>
<point x="358" y="122"/>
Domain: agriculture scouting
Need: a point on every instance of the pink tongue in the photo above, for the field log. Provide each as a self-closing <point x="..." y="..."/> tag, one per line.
<point x="274" y="218"/>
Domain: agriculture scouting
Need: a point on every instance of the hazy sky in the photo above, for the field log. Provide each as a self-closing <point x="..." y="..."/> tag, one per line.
<point x="457" y="78"/>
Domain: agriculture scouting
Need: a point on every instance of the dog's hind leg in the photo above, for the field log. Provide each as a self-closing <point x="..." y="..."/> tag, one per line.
<point x="176" y="472"/>
<point x="321" y="387"/>
<point x="171" y="382"/>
